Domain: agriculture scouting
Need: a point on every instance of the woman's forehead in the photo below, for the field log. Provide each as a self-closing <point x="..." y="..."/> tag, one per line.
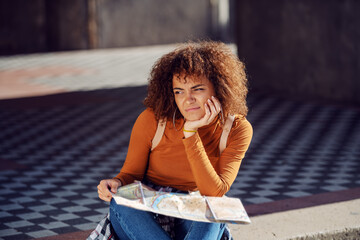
<point x="185" y="77"/>
<point x="190" y="81"/>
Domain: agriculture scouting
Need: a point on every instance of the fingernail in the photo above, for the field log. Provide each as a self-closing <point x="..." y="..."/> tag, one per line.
<point x="212" y="97"/>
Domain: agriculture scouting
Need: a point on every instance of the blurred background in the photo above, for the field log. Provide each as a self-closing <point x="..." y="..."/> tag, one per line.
<point x="305" y="49"/>
<point x="41" y="25"/>
<point x="73" y="75"/>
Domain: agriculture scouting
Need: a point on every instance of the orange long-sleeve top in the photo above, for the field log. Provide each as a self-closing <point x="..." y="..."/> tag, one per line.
<point x="187" y="164"/>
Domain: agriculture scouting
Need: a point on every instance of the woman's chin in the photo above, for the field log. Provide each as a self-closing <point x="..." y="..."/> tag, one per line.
<point x="193" y="117"/>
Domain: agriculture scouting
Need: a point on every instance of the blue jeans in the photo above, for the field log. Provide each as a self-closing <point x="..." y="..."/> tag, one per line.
<point x="130" y="223"/>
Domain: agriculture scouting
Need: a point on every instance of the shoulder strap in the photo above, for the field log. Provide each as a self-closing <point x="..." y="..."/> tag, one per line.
<point x="159" y="133"/>
<point x="225" y="133"/>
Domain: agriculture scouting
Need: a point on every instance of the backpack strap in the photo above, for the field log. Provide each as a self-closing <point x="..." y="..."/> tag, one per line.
<point x="225" y="133"/>
<point x="159" y="133"/>
<point x="223" y="139"/>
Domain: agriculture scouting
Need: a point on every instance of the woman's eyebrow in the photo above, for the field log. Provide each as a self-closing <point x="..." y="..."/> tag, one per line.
<point x="198" y="85"/>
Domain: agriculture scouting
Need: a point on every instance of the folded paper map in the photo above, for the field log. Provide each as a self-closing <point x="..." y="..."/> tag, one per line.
<point x="191" y="206"/>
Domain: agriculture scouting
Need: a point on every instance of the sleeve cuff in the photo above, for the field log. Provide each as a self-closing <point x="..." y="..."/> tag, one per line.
<point x="193" y="145"/>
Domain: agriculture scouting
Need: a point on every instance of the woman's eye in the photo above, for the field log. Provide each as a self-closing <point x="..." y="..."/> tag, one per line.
<point x="177" y="92"/>
<point x="199" y="89"/>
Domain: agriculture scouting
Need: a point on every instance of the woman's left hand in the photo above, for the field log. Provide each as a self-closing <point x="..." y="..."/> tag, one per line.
<point x="212" y="109"/>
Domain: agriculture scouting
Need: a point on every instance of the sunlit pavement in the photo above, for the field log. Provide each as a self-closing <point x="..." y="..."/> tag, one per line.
<point x="65" y="121"/>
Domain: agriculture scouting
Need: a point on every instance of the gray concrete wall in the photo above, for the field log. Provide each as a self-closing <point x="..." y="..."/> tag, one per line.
<point x="58" y="25"/>
<point x="41" y="25"/>
<point x="19" y="23"/>
<point x="308" y="49"/>
<point x="67" y="24"/>
<point x="146" y="22"/>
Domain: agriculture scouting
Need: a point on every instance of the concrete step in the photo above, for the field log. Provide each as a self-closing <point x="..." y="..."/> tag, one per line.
<point x="339" y="220"/>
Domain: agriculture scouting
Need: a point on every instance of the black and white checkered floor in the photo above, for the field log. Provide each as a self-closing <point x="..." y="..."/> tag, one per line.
<point x="65" y="151"/>
<point x="60" y="147"/>
<point x="297" y="150"/>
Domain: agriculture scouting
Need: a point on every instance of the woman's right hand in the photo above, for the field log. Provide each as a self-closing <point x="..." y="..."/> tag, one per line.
<point x="107" y="185"/>
<point x="212" y="109"/>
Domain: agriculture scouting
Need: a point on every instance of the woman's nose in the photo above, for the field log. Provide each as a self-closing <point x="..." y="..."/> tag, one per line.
<point x="190" y="98"/>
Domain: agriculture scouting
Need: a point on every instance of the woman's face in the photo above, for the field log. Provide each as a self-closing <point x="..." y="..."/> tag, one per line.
<point x="191" y="96"/>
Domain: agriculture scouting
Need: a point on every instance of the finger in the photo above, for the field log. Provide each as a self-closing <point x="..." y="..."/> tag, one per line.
<point x="207" y="115"/>
<point x="104" y="196"/>
<point x="207" y="110"/>
<point x="114" y="186"/>
<point x="214" y="111"/>
<point x="107" y="199"/>
<point x="217" y="103"/>
<point x="103" y="186"/>
<point x="103" y="189"/>
<point x="212" y="106"/>
<point x="104" y="193"/>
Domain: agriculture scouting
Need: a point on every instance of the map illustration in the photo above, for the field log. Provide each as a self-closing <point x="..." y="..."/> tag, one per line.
<point x="191" y="206"/>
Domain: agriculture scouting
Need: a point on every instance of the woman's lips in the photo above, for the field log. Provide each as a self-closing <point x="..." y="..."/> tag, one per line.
<point x="192" y="109"/>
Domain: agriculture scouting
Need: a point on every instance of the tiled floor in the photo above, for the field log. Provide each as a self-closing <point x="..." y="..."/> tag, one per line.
<point x="54" y="149"/>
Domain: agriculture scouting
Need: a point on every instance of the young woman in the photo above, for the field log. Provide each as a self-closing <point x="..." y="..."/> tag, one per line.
<point x="193" y="89"/>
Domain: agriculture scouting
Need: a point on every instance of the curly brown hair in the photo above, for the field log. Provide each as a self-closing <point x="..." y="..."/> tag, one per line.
<point x="215" y="61"/>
